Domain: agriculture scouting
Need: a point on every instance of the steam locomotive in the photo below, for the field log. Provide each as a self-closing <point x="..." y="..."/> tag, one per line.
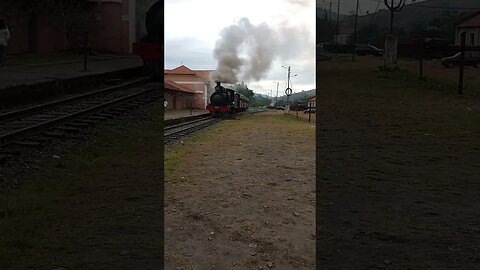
<point x="150" y="47"/>
<point x="225" y="100"/>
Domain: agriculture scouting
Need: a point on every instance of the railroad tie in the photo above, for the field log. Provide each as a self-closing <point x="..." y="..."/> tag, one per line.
<point x="68" y="129"/>
<point x="54" y="134"/>
<point x="28" y="143"/>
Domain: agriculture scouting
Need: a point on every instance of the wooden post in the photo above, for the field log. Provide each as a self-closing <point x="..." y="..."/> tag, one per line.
<point x="85" y="51"/>
<point x="421" y="48"/>
<point x="462" y="63"/>
<point x="355" y="33"/>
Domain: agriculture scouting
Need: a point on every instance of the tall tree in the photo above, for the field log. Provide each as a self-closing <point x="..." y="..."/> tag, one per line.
<point x="447" y="22"/>
<point x="71" y="16"/>
<point x="243" y="89"/>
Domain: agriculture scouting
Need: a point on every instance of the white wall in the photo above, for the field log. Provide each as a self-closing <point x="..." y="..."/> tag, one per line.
<point x="469" y="31"/>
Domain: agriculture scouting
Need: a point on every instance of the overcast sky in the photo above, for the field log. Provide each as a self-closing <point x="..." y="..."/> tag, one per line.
<point x="192" y="28"/>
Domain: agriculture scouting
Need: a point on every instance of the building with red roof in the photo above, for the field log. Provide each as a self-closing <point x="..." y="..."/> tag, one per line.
<point x="186" y="88"/>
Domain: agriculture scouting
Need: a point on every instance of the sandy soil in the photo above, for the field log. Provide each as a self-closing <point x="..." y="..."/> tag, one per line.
<point x="243" y="197"/>
<point x="398" y="173"/>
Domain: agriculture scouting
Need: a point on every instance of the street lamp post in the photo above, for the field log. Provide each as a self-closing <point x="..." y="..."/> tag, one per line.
<point x="276" y="97"/>
<point x="394" y="8"/>
<point x="288" y="91"/>
<point x="390" y="47"/>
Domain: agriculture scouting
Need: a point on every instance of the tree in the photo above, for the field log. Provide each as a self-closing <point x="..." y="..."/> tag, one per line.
<point x="447" y="22"/>
<point x="261" y="101"/>
<point x="243" y="89"/>
<point x="71" y="16"/>
<point x="368" y="33"/>
<point x="281" y="102"/>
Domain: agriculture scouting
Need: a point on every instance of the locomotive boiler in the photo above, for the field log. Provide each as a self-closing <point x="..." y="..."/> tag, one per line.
<point x="225" y="100"/>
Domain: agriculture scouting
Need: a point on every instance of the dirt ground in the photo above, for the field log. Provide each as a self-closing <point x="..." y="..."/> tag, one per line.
<point x="398" y="167"/>
<point x="243" y="196"/>
<point x="96" y="205"/>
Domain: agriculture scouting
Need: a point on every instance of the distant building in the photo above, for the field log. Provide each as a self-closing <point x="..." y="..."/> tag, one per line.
<point x="187" y="80"/>
<point x="312" y="102"/>
<point x="341" y="38"/>
<point x="469" y="25"/>
<point x="178" y="97"/>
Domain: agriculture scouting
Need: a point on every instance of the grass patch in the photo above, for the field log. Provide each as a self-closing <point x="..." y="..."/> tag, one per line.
<point x="21" y="212"/>
<point x="430" y="105"/>
<point x="407" y="78"/>
<point x="193" y="148"/>
<point x="28" y="212"/>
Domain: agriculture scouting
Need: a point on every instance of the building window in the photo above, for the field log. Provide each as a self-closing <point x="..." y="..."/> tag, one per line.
<point x="472" y="39"/>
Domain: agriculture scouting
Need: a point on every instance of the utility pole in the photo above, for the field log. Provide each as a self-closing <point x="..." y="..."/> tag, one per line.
<point x="355" y="33"/>
<point x="271" y="96"/>
<point x="277" y="93"/>
<point x="288" y="91"/>
<point x="394" y="8"/>
<point x="330" y="23"/>
<point x="338" y="21"/>
<point x="391" y="18"/>
<point x="463" y="38"/>
<point x="85" y="50"/>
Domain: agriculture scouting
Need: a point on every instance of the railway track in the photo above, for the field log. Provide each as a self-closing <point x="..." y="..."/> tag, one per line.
<point x="31" y="126"/>
<point x="175" y="132"/>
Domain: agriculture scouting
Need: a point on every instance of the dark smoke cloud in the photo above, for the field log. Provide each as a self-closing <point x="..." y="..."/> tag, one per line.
<point x="260" y="44"/>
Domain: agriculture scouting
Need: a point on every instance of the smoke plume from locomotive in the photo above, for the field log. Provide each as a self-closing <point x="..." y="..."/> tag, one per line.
<point x="260" y="43"/>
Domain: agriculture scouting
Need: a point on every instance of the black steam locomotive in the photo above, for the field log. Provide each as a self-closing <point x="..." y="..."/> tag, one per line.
<point x="150" y="47"/>
<point x="225" y="100"/>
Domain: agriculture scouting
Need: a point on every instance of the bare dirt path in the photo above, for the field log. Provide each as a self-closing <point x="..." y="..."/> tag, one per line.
<point x="399" y="172"/>
<point x="243" y="196"/>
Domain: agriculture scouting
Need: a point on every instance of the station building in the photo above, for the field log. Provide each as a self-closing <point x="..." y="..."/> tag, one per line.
<point x="185" y="88"/>
<point x="469" y="25"/>
<point x="312" y="102"/>
<point x="112" y="25"/>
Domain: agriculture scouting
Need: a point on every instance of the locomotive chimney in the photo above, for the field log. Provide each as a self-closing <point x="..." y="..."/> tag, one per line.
<point x="218" y="83"/>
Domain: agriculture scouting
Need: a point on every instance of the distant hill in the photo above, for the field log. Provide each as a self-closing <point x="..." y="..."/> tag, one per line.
<point x="322" y="13"/>
<point x="300" y="96"/>
<point x="416" y="14"/>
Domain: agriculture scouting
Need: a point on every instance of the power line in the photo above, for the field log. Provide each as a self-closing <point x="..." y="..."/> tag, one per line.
<point x="375" y="13"/>
<point x="414" y="5"/>
<point x="439" y="7"/>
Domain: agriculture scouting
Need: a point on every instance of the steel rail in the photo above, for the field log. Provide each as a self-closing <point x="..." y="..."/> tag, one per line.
<point x="22" y="112"/>
<point x="23" y="132"/>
